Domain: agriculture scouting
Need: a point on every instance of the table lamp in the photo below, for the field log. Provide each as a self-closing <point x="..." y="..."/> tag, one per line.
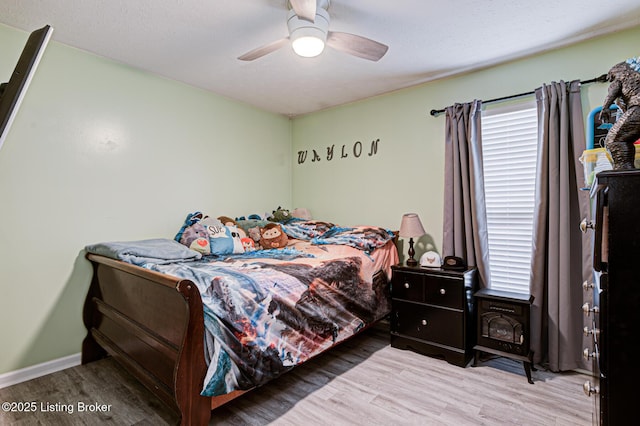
<point x="411" y="228"/>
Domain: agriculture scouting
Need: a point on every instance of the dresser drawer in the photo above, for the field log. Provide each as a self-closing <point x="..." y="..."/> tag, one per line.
<point x="407" y="286"/>
<point x="429" y="323"/>
<point x="444" y="291"/>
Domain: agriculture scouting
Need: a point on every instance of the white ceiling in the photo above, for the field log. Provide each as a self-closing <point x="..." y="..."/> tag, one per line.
<point x="198" y="41"/>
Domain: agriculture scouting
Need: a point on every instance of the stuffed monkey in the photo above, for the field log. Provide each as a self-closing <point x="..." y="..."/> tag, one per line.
<point x="273" y="237"/>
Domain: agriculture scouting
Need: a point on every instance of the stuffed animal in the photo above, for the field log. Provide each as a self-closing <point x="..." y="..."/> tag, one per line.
<point x="196" y="238"/>
<point x="280" y="215"/>
<point x="210" y="221"/>
<point x="191" y="219"/>
<point x="248" y="244"/>
<point x="227" y="221"/>
<point x="193" y="234"/>
<point x="225" y="240"/>
<point x="255" y="234"/>
<point x="273" y="237"/>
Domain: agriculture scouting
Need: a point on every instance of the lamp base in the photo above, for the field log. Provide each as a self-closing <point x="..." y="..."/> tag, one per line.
<point x="411" y="261"/>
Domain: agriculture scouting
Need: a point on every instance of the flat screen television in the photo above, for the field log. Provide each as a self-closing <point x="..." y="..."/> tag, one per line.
<point x="12" y="92"/>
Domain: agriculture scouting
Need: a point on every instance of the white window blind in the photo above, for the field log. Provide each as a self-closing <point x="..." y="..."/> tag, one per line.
<point x="509" y="148"/>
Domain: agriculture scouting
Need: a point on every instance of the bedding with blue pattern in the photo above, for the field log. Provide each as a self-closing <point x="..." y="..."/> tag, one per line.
<point x="270" y="310"/>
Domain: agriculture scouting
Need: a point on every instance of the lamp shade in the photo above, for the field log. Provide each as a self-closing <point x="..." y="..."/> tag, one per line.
<point x="411" y="227"/>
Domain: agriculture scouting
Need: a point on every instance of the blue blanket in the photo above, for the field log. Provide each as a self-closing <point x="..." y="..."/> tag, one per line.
<point x="365" y="238"/>
<point x="158" y="251"/>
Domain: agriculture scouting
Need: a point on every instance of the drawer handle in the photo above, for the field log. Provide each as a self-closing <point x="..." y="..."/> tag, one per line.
<point x="587" y="285"/>
<point x="406" y="285"/>
<point x="443" y="291"/>
<point x="586" y="354"/>
<point x="587" y="309"/>
<point x="424" y="322"/>
<point x="589" y="389"/>
<point x="585" y="225"/>
<point x="590" y="331"/>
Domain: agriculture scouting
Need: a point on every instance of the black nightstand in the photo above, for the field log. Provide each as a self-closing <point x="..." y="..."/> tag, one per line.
<point x="432" y="312"/>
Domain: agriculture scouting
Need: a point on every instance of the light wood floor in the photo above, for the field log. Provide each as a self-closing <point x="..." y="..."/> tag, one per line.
<point x="362" y="382"/>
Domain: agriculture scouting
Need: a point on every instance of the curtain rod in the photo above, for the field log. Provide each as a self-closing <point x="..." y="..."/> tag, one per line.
<point x="601" y="79"/>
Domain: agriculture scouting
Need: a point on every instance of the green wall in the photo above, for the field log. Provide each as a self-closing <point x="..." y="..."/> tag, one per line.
<point x="100" y="151"/>
<point x="103" y="152"/>
<point x="406" y="174"/>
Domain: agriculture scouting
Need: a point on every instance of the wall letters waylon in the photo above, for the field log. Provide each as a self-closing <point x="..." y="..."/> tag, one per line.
<point x="355" y="151"/>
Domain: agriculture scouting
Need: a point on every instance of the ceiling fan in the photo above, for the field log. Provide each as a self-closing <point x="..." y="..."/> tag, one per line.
<point x="308" y="23"/>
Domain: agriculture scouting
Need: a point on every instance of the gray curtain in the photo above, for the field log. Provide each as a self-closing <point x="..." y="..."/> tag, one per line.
<point x="560" y="252"/>
<point x="465" y="217"/>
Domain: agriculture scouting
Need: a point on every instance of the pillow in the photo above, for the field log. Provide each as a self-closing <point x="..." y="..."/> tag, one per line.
<point x="207" y="235"/>
<point x="224" y="239"/>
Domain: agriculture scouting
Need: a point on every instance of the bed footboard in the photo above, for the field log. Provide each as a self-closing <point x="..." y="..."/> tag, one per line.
<point x="153" y="325"/>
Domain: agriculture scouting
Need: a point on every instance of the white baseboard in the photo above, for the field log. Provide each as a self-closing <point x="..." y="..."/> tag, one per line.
<point x="38" y="370"/>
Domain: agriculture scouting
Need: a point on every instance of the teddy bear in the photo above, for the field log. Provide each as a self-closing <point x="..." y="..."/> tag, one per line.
<point x="273" y="237"/>
<point x="255" y="235"/>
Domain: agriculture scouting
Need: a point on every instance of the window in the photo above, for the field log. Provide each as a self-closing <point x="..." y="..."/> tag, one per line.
<point x="509" y="149"/>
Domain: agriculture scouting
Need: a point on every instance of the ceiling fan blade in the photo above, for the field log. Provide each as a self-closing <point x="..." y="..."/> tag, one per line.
<point x="264" y="50"/>
<point x="305" y="9"/>
<point x="356" y="45"/>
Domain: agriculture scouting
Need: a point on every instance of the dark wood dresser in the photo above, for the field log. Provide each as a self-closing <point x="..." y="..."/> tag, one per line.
<point x="617" y="302"/>
<point x="432" y="312"/>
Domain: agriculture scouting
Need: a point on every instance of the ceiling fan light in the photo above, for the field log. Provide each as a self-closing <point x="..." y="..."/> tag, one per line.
<point x="308" y="38"/>
<point x="308" y="46"/>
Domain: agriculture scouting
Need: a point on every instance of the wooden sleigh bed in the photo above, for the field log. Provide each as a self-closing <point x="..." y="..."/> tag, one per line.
<point x="153" y="324"/>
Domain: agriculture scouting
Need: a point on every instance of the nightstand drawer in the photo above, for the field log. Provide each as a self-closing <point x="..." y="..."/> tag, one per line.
<point x="444" y="291"/>
<point x="407" y="286"/>
<point x="428" y="323"/>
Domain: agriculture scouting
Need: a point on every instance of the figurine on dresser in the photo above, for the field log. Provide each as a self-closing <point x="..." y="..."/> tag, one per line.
<point x="624" y="90"/>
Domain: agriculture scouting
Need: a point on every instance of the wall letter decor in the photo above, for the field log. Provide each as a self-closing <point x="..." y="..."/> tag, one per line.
<point x="330" y="152"/>
<point x="356" y="150"/>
